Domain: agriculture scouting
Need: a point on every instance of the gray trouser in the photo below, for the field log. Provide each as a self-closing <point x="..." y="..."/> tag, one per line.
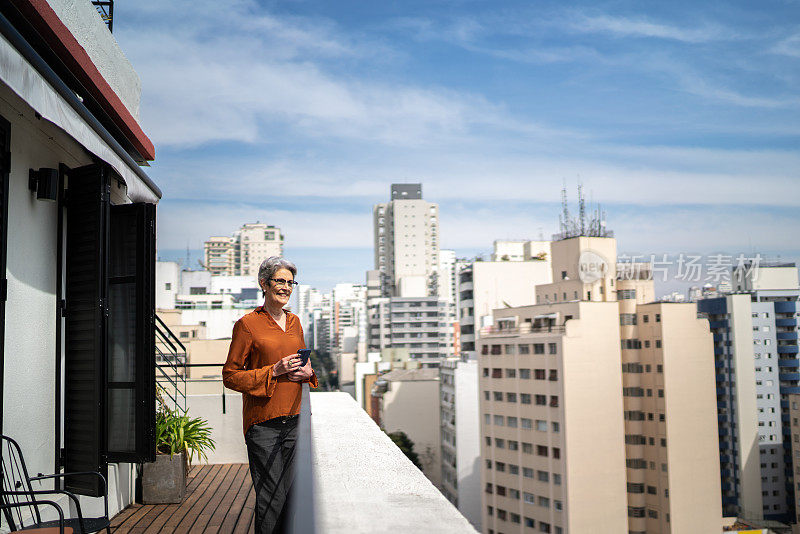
<point x="270" y="449"/>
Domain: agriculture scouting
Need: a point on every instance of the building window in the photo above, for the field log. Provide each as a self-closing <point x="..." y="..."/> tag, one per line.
<point x="538" y="348"/>
<point x="527" y="472"/>
<point x="552" y="348"/>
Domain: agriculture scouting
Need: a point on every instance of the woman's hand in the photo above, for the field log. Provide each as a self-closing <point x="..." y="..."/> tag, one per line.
<point x="302" y="373"/>
<point x="287" y="364"/>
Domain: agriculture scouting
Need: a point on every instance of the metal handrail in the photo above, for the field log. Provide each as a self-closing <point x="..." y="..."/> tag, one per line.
<point x="172" y="359"/>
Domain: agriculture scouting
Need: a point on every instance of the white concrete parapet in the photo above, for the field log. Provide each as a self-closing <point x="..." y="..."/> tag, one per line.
<point x="364" y="483"/>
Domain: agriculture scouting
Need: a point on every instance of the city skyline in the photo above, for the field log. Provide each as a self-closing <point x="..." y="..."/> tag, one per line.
<point x="302" y="114"/>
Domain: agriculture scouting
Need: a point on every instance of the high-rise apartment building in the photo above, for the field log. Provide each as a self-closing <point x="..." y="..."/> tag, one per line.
<point x="242" y="253"/>
<point x="486" y="285"/>
<point x="421" y="325"/>
<point x="406" y="243"/>
<point x="597" y="406"/>
<point x="409" y="294"/>
<point x="756" y="356"/>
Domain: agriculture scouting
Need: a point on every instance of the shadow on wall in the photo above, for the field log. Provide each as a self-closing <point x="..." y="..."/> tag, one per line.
<point x="469" y="495"/>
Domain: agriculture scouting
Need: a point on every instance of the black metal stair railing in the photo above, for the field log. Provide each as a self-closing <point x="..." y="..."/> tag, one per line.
<point x="170" y="367"/>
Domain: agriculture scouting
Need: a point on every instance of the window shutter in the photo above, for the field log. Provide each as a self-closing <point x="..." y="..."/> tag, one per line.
<point x="5" y="169"/>
<point x="131" y="358"/>
<point x="85" y="330"/>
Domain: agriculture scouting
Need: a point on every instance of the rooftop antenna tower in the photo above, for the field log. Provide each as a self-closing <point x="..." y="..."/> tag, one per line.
<point x="563" y="218"/>
<point x="581" y="210"/>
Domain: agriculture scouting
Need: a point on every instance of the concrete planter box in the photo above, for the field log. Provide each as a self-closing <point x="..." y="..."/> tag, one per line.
<point x="164" y="481"/>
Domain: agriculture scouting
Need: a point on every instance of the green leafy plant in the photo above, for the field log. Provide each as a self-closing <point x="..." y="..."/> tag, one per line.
<point x="405" y="444"/>
<point x="180" y="433"/>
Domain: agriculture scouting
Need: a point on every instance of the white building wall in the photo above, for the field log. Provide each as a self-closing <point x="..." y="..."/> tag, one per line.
<point x="468" y="446"/>
<point x="232" y="284"/>
<point x="218" y="323"/>
<point x="196" y="279"/>
<point x="167" y="282"/>
<point x="29" y="382"/>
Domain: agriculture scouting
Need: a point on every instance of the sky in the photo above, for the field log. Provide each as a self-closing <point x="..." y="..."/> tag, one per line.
<point x="682" y="119"/>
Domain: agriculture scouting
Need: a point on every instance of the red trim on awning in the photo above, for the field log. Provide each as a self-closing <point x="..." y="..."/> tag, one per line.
<point x="58" y="37"/>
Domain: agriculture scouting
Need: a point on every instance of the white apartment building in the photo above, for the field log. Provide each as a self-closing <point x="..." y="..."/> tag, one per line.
<point x="756" y="356"/>
<point x="411" y="288"/>
<point x="460" y="437"/>
<point x="424" y="326"/>
<point x="446" y="276"/>
<point x="487" y="285"/>
<point x="406" y="241"/>
<point x="212" y="302"/>
<point x="242" y="253"/>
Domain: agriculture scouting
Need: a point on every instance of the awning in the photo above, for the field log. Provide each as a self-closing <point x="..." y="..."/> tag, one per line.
<point x="29" y="84"/>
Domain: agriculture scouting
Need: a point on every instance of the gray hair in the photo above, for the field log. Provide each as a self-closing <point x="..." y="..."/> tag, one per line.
<point x="272" y="265"/>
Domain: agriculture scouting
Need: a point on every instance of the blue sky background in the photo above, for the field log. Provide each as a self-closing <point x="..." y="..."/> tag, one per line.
<point x="681" y="118"/>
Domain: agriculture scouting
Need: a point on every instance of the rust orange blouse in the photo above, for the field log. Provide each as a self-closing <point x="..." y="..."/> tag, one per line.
<point x="257" y="344"/>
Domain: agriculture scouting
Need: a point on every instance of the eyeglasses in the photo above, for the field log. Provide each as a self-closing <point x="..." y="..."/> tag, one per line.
<point x="280" y="282"/>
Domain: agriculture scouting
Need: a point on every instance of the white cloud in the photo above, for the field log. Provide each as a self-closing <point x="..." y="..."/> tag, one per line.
<point x="202" y="84"/>
<point x="630" y="27"/>
<point x="182" y="224"/>
<point x="788" y="47"/>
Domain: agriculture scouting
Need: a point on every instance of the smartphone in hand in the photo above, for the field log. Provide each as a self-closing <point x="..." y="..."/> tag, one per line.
<point x="304" y="354"/>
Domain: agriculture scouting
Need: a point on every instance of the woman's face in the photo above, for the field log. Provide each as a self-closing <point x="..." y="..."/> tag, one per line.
<point x="277" y="295"/>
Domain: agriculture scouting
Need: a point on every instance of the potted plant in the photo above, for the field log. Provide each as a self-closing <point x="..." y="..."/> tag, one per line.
<point x="178" y="439"/>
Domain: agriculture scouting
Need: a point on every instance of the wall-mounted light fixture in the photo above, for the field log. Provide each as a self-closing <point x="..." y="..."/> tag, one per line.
<point x="44" y="183"/>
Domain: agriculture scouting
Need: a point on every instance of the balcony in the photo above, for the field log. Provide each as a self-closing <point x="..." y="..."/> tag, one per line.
<point x="354" y="478"/>
<point x="493" y="331"/>
<point x="785" y="322"/>
<point x="787" y="349"/>
<point x="786" y="336"/>
<point x="785" y="306"/>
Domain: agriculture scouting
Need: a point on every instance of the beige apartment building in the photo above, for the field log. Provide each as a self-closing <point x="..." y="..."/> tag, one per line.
<point x="598" y="407"/>
<point x="242" y="253"/>
<point x="407" y="400"/>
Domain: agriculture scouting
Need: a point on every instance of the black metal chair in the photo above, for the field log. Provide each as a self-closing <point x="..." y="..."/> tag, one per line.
<point x="60" y="529"/>
<point x="17" y="490"/>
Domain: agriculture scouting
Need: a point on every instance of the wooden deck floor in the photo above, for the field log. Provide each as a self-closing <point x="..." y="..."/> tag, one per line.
<point x="219" y="499"/>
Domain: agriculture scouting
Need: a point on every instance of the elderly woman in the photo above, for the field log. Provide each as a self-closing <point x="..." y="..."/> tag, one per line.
<point x="264" y="366"/>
